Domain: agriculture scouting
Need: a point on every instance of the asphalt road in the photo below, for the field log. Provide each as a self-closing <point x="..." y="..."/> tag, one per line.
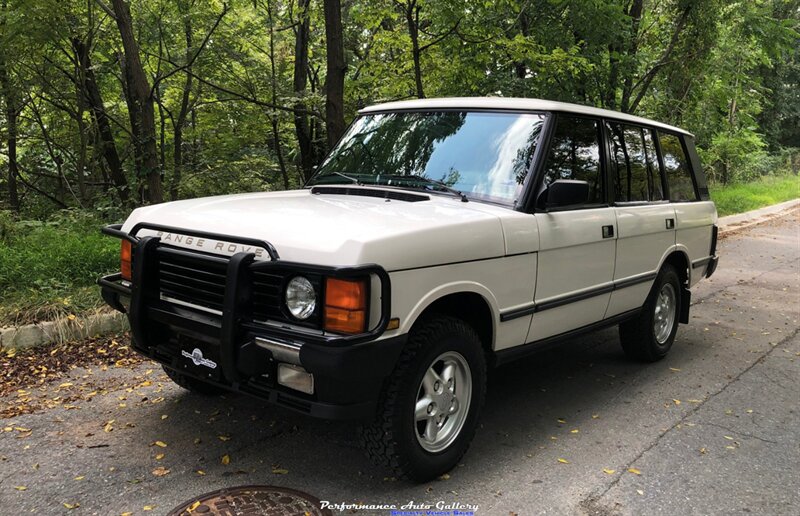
<point x="712" y="429"/>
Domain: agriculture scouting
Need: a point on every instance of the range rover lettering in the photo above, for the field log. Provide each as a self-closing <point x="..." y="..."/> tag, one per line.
<point x="439" y="238"/>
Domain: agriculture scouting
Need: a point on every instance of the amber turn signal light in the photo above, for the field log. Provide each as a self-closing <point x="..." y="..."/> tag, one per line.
<point x="346" y="305"/>
<point x="125" y="253"/>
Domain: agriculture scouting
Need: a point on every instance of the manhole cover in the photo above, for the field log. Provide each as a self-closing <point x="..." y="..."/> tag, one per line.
<point x="252" y="500"/>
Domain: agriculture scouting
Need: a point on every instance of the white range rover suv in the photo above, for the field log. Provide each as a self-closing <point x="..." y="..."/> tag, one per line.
<point x="439" y="238"/>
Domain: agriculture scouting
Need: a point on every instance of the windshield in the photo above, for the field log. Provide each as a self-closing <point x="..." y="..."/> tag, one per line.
<point x="486" y="156"/>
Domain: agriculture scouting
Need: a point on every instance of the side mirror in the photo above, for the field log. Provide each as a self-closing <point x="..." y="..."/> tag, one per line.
<point x="563" y="193"/>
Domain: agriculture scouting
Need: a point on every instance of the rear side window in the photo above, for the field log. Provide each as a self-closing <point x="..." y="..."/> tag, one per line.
<point x="676" y="166"/>
<point x="575" y="154"/>
<point x="635" y="172"/>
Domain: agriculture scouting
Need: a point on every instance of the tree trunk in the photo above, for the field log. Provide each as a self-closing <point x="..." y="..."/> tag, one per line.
<point x="11" y="112"/>
<point x="102" y="121"/>
<point x="276" y="135"/>
<point x="183" y="113"/>
<point x="637" y="9"/>
<point x="336" y="68"/>
<point x="412" y="19"/>
<point x="302" y="126"/>
<point x="141" y="99"/>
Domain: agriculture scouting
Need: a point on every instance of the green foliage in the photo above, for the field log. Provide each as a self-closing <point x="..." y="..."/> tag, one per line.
<point x="51" y="266"/>
<point x="739" y="198"/>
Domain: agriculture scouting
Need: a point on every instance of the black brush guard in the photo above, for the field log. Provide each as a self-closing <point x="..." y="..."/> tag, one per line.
<point x="348" y="369"/>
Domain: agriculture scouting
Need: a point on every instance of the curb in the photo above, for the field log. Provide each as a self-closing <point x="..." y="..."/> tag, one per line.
<point x="62" y="330"/>
<point x="744" y="220"/>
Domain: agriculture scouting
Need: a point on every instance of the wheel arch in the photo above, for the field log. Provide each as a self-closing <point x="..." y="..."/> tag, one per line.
<point x="678" y="257"/>
<point x="472" y="303"/>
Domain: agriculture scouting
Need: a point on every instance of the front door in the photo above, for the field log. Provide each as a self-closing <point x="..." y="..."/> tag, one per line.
<point x="577" y="244"/>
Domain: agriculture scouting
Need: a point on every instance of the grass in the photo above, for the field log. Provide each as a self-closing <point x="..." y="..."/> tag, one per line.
<point x="741" y="197"/>
<point x="48" y="269"/>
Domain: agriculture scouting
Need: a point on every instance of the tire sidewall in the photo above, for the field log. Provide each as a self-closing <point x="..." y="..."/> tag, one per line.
<point x="668" y="275"/>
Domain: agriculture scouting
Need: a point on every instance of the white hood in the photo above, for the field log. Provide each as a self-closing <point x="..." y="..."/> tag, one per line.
<point x="328" y="229"/>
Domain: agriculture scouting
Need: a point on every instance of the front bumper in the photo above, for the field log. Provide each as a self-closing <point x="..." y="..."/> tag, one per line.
<point x="232" y="351"/>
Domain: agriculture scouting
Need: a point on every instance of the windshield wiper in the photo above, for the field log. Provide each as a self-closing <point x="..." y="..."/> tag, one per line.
<point x="441" y="184"/>
<point x="349" y="178"/>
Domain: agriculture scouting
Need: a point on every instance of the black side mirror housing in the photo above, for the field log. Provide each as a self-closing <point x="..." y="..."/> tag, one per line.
<point x="564" y="193"/>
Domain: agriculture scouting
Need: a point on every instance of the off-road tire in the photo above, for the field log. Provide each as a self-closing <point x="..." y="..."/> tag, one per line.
<point x="638" y="335"/>
<point x="192" y="384"/>
<point x="391" y="439"/>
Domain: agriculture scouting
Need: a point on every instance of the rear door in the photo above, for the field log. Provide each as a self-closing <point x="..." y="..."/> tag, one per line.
<point x="645" y="218"/>
<point x="576" y="245"/>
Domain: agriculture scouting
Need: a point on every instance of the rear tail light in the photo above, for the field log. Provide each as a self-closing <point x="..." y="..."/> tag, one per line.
<point x="346" y="305"/>
<point x="125" y="260"/>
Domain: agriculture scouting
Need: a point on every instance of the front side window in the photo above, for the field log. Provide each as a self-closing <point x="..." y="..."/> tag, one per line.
<point x="676" y="166"/>
<point x="635" y="170"/>
<point x="575" y="155"/>
<point x="484" y="155"/>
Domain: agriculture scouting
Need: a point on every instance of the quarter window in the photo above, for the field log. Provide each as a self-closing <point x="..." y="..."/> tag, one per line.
<point x="676" y="166"/>
<point x="575" y="154"/>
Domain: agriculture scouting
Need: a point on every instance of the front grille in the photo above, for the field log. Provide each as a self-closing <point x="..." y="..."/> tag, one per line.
<point x="199" y="279"/>
<point x="191" y="278"/>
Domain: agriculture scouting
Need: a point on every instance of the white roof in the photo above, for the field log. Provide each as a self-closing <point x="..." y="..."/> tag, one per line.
<point x="515" y="104"/>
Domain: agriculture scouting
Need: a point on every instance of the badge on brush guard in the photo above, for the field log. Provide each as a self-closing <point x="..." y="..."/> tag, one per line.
<point x="197" y="357"/>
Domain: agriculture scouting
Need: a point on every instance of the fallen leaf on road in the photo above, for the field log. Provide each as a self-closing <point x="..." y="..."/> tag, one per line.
<point x="226" y="459"/>
<point x="160" y="471"/>
<point x="641" y="493"/>
<point x="224" y="438"/>
<point x="728" y="437"/>
<point x="148" y="507"/>
<point x="703" y="451"/>
<point x="71" y="506"/>
<point x="563" y="461"/>
<point x="634" y="471"/>
<point x="164" y="416"/>
<point x="109" y="426"/>
<point x="200" y="472"/>
<point x="608" y="471"/>
<point x="445" y="477"/>
<point x="595" y="416"/>
<point x="126" y="514"/>
<point x="674" y="369"/>
<point x="677" y="402"/>
<point x="280" y="471"/>
<point x="194" y="506"/>
<point x="695" y="401"/>
<point x="160" y="444"/>
<point x="575" y="431"/>
<point x="79" y="478"/>
<point x="159" y="456"/>
<point x="562" y="421"/>
<point x="20" y="488"/>
<point x="65" y="385"/>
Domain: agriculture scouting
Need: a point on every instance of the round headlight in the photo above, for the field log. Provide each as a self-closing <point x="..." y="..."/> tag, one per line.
<point x="301" y="299"/>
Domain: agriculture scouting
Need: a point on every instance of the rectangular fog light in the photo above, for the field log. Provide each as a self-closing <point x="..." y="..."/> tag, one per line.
<point x="295" y="377"/>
